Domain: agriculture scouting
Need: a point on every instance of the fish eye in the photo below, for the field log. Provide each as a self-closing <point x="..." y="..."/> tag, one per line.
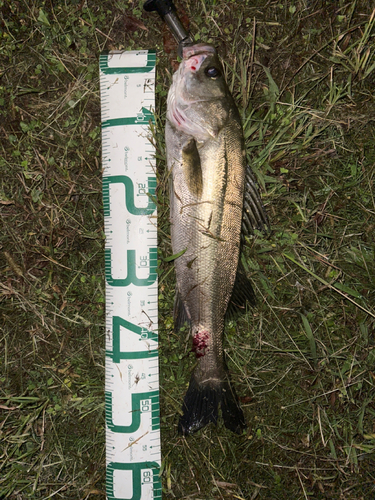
<point x="212" y="72"/>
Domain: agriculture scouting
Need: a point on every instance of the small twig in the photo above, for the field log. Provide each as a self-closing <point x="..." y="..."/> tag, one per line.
<point x="300" y="480"/>
<point x="97" y="29"/>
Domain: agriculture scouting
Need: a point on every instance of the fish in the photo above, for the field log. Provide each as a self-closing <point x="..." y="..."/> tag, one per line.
<point x="213" y="200"/>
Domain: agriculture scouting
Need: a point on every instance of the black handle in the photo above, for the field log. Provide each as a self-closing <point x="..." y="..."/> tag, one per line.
<point x="162" y="7"/>
<point x="167" y="12"/>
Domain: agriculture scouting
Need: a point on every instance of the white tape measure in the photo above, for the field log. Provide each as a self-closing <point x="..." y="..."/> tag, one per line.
<point x="127" y="87"/>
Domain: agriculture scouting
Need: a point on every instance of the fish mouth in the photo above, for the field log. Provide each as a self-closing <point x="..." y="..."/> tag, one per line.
<point x="197" y="49"/>
<point x="194" y="55"/>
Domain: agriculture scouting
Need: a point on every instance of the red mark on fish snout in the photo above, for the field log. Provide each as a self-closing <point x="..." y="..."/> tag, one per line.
<point x="200" y="343"/>
<point x="193" y="63"/>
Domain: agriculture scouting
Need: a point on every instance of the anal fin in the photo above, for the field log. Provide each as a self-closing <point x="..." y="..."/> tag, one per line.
<point x="242" y="294"/>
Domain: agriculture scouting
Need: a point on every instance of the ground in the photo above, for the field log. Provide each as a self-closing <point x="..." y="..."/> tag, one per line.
<point x="302" y="73"/>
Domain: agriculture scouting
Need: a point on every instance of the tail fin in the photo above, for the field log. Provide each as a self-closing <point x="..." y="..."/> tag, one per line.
<point x="233" y="416"/>
<point x="201" y="406"/>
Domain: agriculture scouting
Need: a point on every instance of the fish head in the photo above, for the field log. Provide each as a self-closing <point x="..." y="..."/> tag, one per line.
<point x="202" y="73"/>
<point x="199" y="99"/>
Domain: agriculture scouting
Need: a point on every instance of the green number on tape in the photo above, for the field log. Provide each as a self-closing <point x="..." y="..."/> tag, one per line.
<point x="116" y="354"/>
<point x="142" y="473"/>
<point x="150" y="64"/>
<point x="143" y="402"/>
<point x="131" y="276"/>
<point x="142" y="118"/>
<point x="129" y="194"/>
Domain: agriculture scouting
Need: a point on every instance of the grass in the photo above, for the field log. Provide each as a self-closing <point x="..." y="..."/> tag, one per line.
<point x="302" y="73"/>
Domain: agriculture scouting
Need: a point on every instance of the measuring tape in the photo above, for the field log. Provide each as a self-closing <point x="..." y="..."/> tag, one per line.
<point x="127" y="88"/>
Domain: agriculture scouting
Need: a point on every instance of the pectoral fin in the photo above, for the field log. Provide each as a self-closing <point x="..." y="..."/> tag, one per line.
<point x="191" y="165"/>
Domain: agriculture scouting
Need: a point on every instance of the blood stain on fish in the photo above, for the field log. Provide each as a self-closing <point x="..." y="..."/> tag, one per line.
<point x="200" y="343"/>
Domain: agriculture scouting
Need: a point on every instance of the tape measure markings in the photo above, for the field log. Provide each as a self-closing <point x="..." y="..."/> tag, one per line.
<point x="129" y="184"/>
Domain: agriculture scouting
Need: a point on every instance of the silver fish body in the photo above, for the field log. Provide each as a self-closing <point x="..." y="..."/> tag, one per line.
<point x="207" y="160"/>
